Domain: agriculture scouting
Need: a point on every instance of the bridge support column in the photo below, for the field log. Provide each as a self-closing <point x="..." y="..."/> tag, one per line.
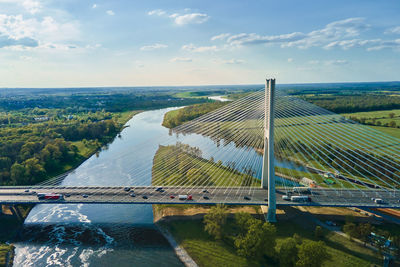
<point x="268" y="167"/>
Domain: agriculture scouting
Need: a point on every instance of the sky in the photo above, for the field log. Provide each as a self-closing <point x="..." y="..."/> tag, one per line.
<point x="81" y="43"/>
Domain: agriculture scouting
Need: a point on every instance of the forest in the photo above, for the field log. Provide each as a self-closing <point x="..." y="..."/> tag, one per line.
<point x="45" y="134"/>
<point x="354" y="103"/>
<point x="31" y="153"/>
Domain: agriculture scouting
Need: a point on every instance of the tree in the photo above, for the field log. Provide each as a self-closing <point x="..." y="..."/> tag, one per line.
<point x="297" y="238"/>
<point x="243" y="220"/>
<point x="312" y="254"/>
<point x="288" y="252"/>
<point x="33" y="170"/>
<point x="215" y="221"/>
<point x="318" y="232"/>
<point x="259" y="240"/>
<point x="391" y="115"/>
<point x="350" y="229"/>
<point x="392" y="124"/>
<point x="17" y="174"/>
<point x="364" y="230"/>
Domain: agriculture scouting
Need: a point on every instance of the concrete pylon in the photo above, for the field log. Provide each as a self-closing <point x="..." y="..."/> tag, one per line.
<point x="268" y="167"/>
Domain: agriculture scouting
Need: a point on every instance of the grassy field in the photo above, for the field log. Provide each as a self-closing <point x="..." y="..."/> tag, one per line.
<point x="394" y="132"/>
<point x="195" y="94"/>
<point x="208" y="252"/>
<point x="176" y="165"/>
<point x="373" y="114"/>
<point x="381" y="116"/>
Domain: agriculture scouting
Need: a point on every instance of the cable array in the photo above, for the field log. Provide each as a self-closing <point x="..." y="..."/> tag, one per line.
<point x="223" y="149"/>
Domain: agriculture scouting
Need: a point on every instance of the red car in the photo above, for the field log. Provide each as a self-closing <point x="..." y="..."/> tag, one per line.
<point x="171" y="196"/>
<point x="189" y="197"/>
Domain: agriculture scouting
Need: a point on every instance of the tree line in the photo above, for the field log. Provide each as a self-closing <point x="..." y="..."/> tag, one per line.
<point x="355" y="103"/>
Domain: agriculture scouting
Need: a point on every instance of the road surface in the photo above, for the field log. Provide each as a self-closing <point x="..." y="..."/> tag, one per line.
<point x="234" y="196"/>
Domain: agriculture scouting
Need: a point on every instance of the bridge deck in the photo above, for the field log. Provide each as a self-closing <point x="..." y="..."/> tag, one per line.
<point x="232" y="196"/>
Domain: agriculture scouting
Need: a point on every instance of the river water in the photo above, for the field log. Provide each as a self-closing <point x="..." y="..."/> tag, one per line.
<point x="119" y="235"/>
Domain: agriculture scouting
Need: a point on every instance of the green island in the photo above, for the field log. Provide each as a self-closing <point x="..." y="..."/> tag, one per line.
<point x="182" y="164"/>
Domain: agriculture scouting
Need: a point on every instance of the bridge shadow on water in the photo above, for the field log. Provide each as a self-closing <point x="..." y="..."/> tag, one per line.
<point x="89" y="234"/>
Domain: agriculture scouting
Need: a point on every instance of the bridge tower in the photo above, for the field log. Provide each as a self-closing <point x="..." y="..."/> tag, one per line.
<point x="268" y="167"/>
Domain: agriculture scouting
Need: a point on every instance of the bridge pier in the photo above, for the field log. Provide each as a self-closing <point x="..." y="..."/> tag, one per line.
<point x="268" y="167"/>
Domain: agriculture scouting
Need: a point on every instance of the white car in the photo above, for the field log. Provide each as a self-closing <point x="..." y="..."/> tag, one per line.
<point x="285" y="197"/>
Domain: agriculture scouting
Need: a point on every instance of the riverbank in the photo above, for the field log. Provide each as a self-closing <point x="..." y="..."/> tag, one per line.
<point x="10" y="226"/>
<point x="185" y="224"/>
<point x="86" y="148"/>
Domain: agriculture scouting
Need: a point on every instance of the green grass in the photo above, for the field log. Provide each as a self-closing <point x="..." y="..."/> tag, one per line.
<point x="373" y="114"/>
<point x="194" y="94"/>
<point x="343" y="251"/>
<point x="205" y="251"/>
<point x="124" y="117"/>
<point x="394" y="132"/>
<point x="167" y="171"/>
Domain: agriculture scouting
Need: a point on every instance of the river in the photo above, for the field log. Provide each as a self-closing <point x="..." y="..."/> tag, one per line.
<point x="120" y="235"/>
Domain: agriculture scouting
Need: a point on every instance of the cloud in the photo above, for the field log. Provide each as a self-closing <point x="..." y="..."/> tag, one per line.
<point x="192" y="18"/>
<point x="290" y="59"/>
<point x="153" y="47"/>
<point x="199" y="49"/>
<point x="333" y="62"/>
<point x="32" y="6"/>
<point x="94" y="6"/>
<point x="21" y="33"/>
<point x="252" y="38"/>
<point x="110" y="12"/>
<point x="221" y="36"/>
<point x="337" y="62"/>
<point x="333" y="35"/>
<point x="233" y="61"/>
<point x="181" y="19"/>
<point x="383" y="44"/>
<point x="180" y="59"/>
<point x="157" y="12"/>
<point x="394" y="30"/>
<point x="6" y="41"/>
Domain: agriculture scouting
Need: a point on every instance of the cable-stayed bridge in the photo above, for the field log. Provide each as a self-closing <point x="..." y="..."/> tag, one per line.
<point x="239" y="153"/>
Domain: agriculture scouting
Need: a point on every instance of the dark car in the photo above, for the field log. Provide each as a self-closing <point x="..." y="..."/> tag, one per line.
<point x="67" y="195"/>
<point x="85" y="196"/>
<point x="246" y="198"/>
<point x="159" y="189"/>
<point x="132" y="195"/>
<point x="26" y="190"/>
<point x="144" y="197"/>
<point x="206" y="197"/>
<point x="127" y="189"/>
<point x="205" y="191"/>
